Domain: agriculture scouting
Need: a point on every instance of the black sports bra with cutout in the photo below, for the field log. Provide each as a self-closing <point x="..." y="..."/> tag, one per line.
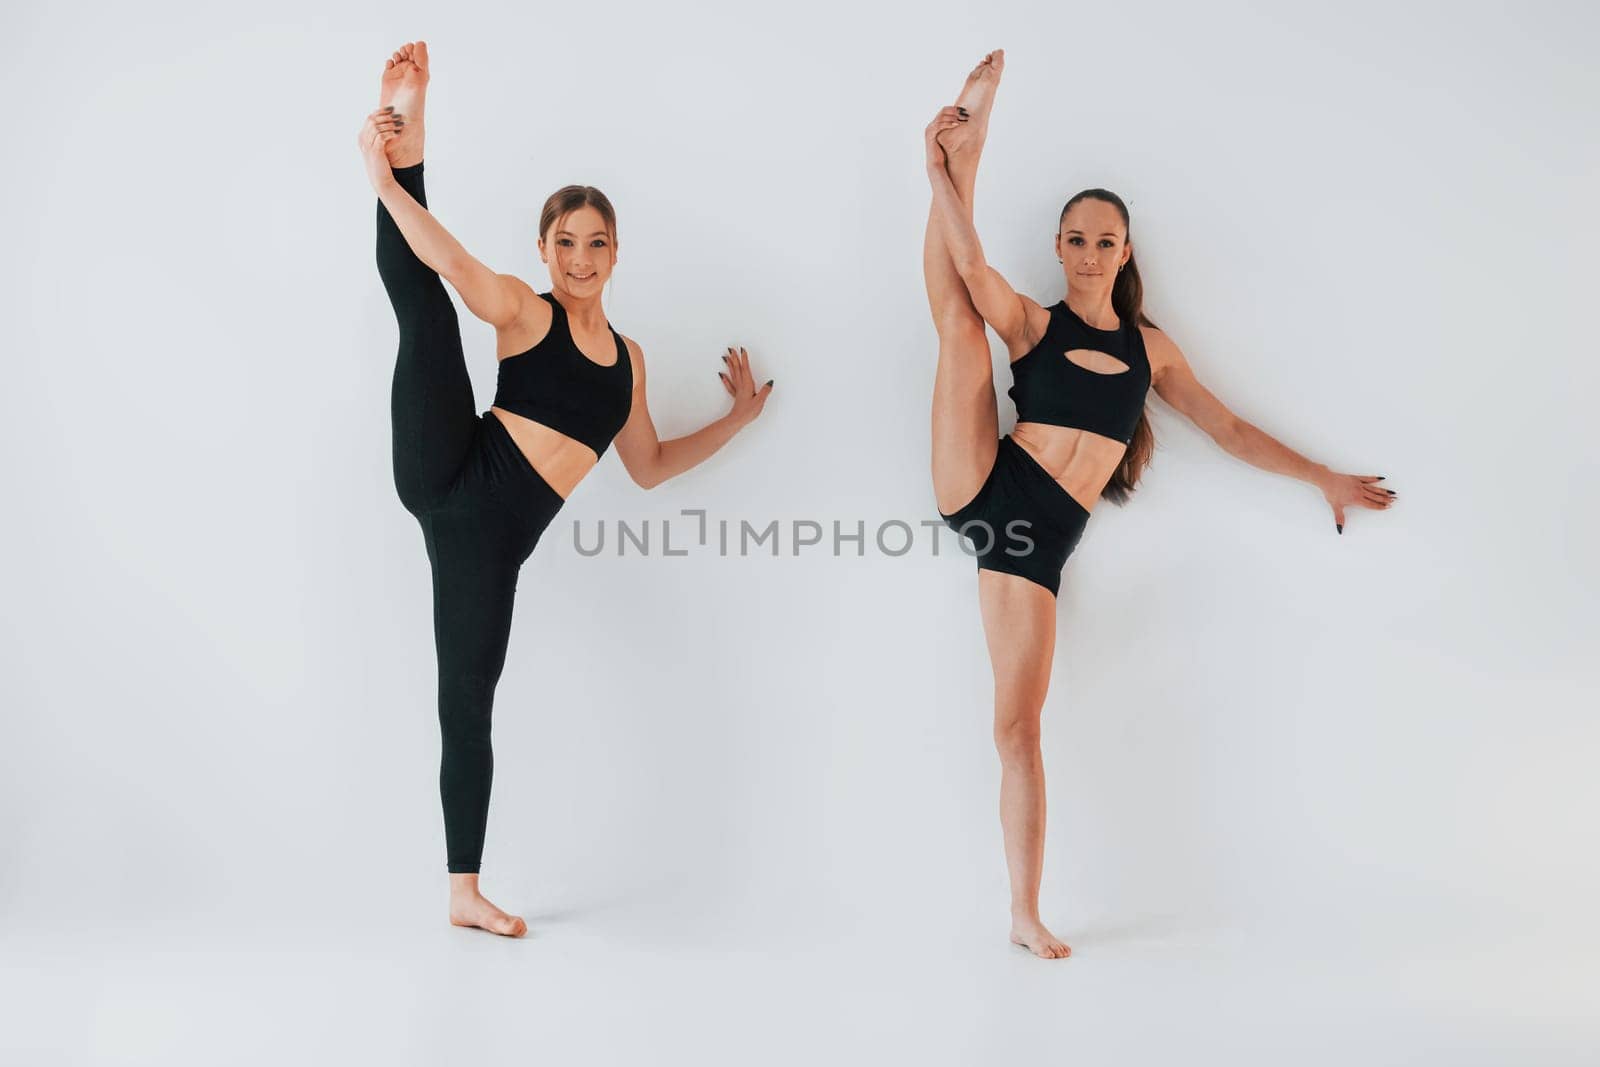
<point x="1050" y="388"/>
<point x="554" y="383"/>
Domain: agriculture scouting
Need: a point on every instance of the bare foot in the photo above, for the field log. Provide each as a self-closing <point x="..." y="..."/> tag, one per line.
<point x="468" y="907"/>
<point x="963" y="143"/>
<point x="1031" y="935"/>
<point x="404" y="85"/>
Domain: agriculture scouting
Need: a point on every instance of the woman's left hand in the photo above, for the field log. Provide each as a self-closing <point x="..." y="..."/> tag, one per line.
<point x="741" y="385"/>
<point x="1355" y="490"/>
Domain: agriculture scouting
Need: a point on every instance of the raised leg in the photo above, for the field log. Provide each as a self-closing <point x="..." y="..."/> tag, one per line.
<point x="431" y="406"/>
<point x="1019" y="624"/>
<point x="405" y="88"/>
<point x="965" y="424"/>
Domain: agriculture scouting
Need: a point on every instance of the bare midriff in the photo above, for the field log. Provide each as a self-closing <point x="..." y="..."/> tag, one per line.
<point x="559" y="460"/>
<point x="1080" y="461"/>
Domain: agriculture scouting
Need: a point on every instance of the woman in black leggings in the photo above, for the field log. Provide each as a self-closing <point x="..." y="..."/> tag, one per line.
<point x="485" y="486"/>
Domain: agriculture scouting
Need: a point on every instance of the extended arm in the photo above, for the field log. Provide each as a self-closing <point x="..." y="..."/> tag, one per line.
<point x="1174" y="381"/>
<point x="650" y="460"/>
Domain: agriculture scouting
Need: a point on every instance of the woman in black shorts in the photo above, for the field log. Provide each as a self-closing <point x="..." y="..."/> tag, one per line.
<point x="1081" y="369"/>
<point x="485" y="486"/>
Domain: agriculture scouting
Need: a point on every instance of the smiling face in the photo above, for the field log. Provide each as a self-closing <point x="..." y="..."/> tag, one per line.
<point x="581" y="251"/>
<point x="1092" y="245"/>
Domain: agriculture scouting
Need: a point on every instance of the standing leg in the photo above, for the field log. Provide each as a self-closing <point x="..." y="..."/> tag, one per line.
<point x="475" y="564"/>
<point x="965" y="416"/>
<point x="1019" y="623"/>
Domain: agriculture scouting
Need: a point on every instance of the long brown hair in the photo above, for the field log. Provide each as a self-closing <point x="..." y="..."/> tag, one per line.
<point x="1127" y="300"/>
<point x="569" y="198"/>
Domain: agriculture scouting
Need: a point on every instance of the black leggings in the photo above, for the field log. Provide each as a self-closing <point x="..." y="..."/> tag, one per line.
<point x="482" y="507"/>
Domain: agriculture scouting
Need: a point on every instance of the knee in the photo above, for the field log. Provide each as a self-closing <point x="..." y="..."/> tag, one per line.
<point x="1016" y="738"/>
<point x="959" y="326"/>
<point x="427" y="321"/>
<point x="412" y="496"/>
<point x="466" y="705"/>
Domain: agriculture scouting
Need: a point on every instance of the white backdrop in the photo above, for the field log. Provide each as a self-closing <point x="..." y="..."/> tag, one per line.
<point x="1313" y="797"/>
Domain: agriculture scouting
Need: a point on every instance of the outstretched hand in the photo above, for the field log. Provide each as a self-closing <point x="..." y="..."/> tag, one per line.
<point x="1355" y="490"/>
<point x="381" y="127"/>
<point x="741" y="385"/>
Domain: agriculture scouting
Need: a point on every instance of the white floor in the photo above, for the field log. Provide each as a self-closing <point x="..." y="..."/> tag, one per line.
<point x="641" y="982"/>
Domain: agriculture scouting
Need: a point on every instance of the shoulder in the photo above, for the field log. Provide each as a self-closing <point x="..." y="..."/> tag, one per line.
<point x="1161" y="351"/>
<point x="526" y="292"/>
<point x="532" y="308"/>
<point x="1047" y="314"/>
<point x="635" y="355"/>
<point x="1157" y="344"/>
<point x="531" y="320"/>
<point x="1037" y="322"/>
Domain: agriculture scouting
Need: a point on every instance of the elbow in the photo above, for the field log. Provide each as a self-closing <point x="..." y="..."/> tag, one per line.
<point x="970" y="267"/>
<point x="648" y="478"/>
<point x="1229" y="436"/>
<point x="450" y="268"/>
<point x="649" y="474"/>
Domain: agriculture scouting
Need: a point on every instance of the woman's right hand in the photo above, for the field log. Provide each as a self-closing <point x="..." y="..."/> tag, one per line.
<point x="948" y="118"/>
<point x="381" y="127"/>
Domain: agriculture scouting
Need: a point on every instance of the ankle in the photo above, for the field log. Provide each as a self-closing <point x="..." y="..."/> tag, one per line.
<point x="1025" y="913"/>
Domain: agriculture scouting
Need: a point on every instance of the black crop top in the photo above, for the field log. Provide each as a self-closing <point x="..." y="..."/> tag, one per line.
<point x="554" y="383"/>
<point x="1050" y="388"/>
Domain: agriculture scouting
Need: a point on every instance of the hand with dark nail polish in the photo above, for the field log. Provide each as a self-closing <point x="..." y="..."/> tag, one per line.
<point x="1343" y="491"/>
<point x="748" y="401"/>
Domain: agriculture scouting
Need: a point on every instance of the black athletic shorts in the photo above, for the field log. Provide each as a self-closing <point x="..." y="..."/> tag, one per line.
<point x="1021" y="521"/>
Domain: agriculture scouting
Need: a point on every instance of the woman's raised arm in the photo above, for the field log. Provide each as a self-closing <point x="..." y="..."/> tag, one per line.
<point x="494" y="298"/>
<point x="1001" y="306"/>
